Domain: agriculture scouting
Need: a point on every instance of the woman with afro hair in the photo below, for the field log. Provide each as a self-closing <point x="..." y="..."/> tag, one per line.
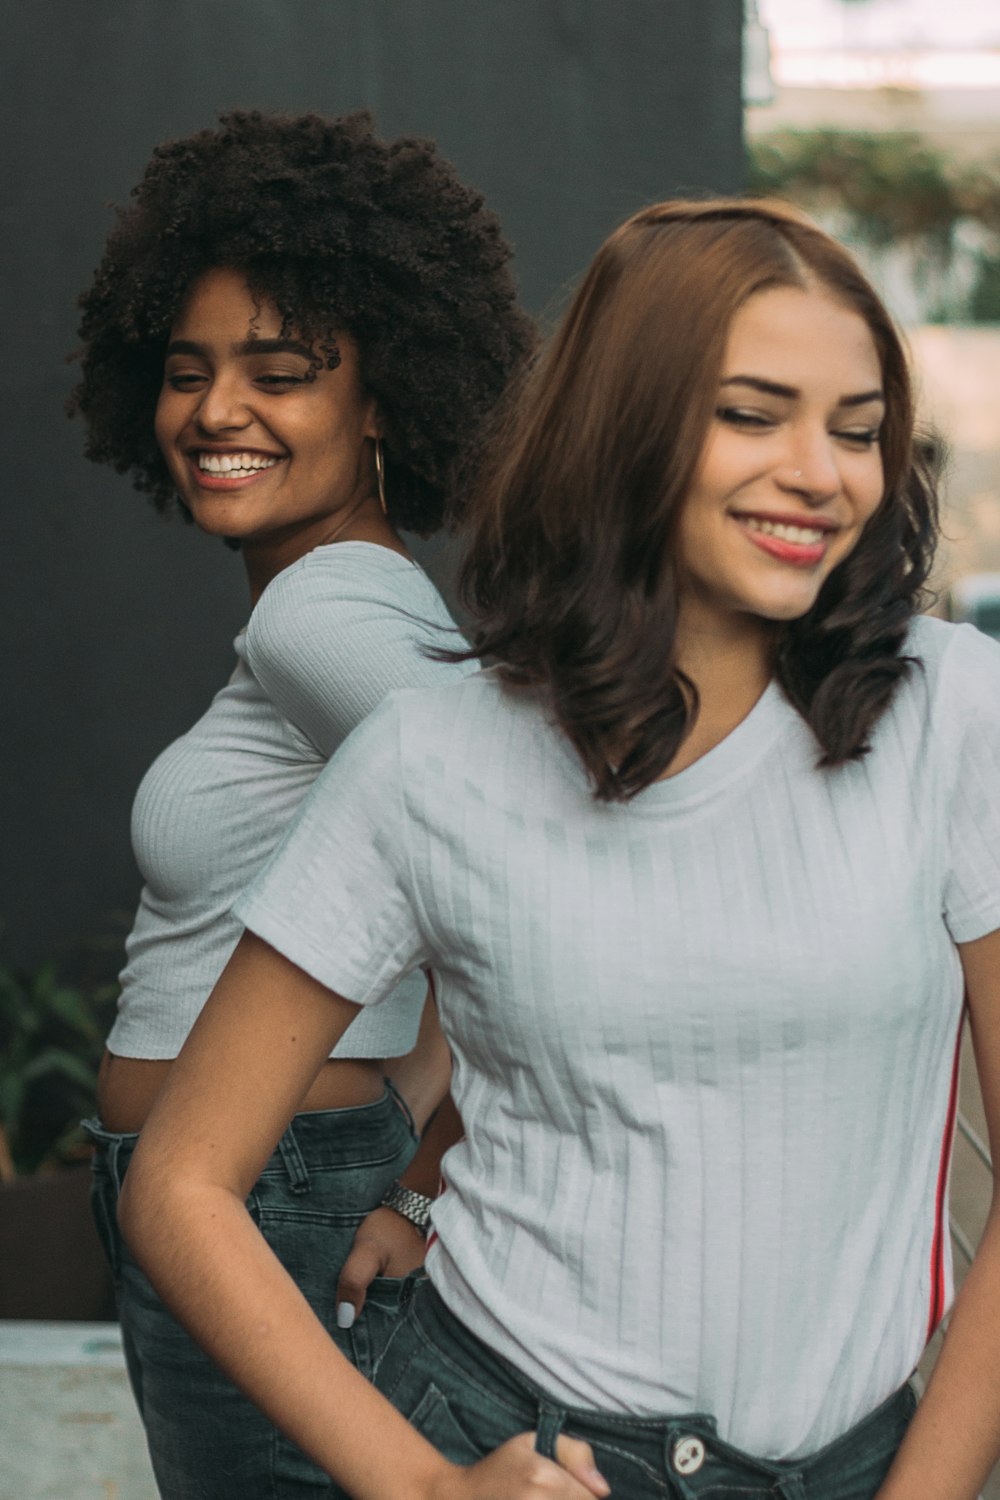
<point x="295" y="336"/>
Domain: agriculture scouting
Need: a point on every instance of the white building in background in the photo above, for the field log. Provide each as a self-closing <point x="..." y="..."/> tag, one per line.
<point x="951" y="98"/>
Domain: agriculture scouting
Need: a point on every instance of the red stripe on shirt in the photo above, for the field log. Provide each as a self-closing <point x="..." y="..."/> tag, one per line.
<point x="936" y="1311"/>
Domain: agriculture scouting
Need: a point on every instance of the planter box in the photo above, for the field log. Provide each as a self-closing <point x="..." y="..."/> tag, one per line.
<point x="51" y="1263"/>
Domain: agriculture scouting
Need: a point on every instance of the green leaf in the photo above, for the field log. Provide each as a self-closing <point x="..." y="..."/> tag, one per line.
<point x="55" y="1061"/>
<point x="51" y="1036"/>
<point x="12" y="1092"/>
<point x="73" y="1008"/>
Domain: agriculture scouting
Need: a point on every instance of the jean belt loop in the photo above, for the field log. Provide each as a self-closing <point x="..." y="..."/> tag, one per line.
<point x="401" y="1103"/>
<point x="791" y="1487"/>
<point x="550" y="1424"/>
<point x="294" y="1163"/>
<point x="113" y="1149"/>
<point x="108" y="1142"/>
<point x="409" y="1284"/>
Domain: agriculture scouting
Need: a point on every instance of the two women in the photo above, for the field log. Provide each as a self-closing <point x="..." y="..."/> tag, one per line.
<point x="704" y="867"/>
<point x="297" y="332"/>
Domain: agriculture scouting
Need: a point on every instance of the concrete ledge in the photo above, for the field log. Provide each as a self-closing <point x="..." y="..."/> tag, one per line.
<point x="68" y="1426"/>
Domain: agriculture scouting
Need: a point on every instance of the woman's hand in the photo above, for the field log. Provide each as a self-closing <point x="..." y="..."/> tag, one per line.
<point x="517" y="1472"/>
<point x="386" y="1244"/>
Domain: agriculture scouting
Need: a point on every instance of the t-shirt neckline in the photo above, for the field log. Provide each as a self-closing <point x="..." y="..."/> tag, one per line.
<point x="728" y="761"/>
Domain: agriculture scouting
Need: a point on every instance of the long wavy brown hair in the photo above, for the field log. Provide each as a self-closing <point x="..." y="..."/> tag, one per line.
<point x="571" y="569"/>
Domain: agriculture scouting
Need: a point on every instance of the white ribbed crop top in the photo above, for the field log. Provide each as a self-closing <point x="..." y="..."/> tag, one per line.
<point x="328" y="639"/>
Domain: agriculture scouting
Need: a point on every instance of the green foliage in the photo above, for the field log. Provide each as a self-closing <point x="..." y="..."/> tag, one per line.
<point x="51" y="1040"/>
<point x="984" y="304"/>
<point x="892" y="188"/>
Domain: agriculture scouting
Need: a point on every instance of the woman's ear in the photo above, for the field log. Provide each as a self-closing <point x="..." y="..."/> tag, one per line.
<point x="373" y="426"/>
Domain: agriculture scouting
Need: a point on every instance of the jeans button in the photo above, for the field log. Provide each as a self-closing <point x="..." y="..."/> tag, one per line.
<point x="687" y="1455"/>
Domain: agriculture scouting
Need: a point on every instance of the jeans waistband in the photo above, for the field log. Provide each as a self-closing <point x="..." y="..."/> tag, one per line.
<point x="680" y="1442"/>
<point x="325" y="1138"/>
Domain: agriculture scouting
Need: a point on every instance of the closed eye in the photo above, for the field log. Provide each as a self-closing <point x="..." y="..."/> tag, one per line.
<point x="741" y="416"/>
<point x="184" y="380"/>
<point x="859" y="437"/>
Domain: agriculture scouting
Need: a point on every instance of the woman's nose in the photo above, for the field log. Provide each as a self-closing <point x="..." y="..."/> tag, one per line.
<point x="222" y="407"/>
<point x="812" y="469"/>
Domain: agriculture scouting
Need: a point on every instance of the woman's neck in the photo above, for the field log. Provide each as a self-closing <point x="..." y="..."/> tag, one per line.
<point x="264" y="559"/>
<point x="731" y="669"/>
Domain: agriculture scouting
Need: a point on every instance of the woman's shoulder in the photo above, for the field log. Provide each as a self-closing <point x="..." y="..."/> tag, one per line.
<point x="432" y="723"/>
<point x="346" y="573"/>
<point x="953" y="654"/>
<point x="477" y="693"/>
<point x="957" y="671"/>
<point x="475" y="722"/>
<point x="341" y="593"/>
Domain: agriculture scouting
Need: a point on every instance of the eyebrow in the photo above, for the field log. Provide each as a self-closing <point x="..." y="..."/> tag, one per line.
<point x="248" y="346"/>
<point x="788" y="392"/>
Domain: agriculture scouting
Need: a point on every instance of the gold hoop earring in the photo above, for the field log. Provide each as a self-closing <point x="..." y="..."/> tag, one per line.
<point x="380" y="475"/>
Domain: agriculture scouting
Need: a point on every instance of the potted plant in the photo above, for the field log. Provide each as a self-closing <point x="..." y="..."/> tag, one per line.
<point x="51" y="1038"/>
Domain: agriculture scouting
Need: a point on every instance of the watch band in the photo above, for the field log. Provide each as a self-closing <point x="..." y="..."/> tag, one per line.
<point x="412" y="1205"/>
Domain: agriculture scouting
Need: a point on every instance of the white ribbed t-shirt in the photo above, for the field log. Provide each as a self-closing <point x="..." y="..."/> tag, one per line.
<point x="704" y="1042"/>
<point x="327" y="640"/>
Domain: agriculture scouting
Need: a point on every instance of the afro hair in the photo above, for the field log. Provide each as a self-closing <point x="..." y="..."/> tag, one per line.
<point x="343" y="232"/>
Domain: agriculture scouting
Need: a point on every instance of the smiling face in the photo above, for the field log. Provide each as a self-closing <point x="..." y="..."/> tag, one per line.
<point x="257" y="449"/>
<point x="791" y="468"/>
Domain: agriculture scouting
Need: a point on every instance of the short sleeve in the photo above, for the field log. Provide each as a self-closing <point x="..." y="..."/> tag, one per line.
<point x="970" y="699"/>
<point x="337" y="631"/>
<point x="335" y="897"/>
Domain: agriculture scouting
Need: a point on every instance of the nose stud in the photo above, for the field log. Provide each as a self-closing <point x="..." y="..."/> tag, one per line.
<point x="797" y="474"/>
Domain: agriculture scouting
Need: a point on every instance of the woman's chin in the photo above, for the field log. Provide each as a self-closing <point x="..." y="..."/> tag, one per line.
<point x="789" y="604"/>
<point x="217" y="520"/>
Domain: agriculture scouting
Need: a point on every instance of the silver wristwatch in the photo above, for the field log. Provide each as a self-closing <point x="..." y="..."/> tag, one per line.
<point x="413" y="1206"/>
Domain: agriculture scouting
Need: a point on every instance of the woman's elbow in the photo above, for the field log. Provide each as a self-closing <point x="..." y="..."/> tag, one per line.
<point x="153" y="1203"/>
<point x="165" y="1204"/>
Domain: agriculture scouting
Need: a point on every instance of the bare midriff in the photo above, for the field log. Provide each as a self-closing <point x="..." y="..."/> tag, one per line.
<point x="127" y="1087"/>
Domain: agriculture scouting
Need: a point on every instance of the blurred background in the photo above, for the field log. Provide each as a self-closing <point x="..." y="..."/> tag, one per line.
<point x="881" y="117"/>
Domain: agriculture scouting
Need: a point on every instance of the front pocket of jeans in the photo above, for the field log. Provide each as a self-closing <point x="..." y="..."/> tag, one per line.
<point x="387" y="1291"/>
<point x="434" y="1418"/>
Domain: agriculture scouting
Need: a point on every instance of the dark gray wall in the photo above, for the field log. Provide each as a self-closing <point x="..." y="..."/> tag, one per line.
<point x="567" y="113"/>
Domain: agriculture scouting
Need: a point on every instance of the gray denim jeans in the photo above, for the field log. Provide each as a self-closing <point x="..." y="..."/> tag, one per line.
<point x="206" y="1440"/>
<point x="466" y="1400"/>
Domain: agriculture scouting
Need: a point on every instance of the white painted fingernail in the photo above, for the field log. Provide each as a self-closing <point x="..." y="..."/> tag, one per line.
<point x="345" y="1315"/>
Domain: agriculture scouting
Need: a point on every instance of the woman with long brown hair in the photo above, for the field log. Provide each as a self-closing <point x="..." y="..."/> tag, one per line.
<point x="705" y="864"/>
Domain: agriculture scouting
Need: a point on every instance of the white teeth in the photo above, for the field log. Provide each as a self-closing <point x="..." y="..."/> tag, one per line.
<point x="803" y="535"/>
<point x="234" y="464"/>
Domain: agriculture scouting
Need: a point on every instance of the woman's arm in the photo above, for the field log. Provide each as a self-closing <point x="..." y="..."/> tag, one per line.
<point x="386" y="1243"/>
<point x="256" y="1047"/>
<point x="954" y="1439"/>
<point x="423" y="1076"/>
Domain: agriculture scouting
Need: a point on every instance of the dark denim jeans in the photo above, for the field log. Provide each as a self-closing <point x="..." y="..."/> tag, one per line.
<point x="206" y="1441"/>
<point x="467" y="1401"/>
